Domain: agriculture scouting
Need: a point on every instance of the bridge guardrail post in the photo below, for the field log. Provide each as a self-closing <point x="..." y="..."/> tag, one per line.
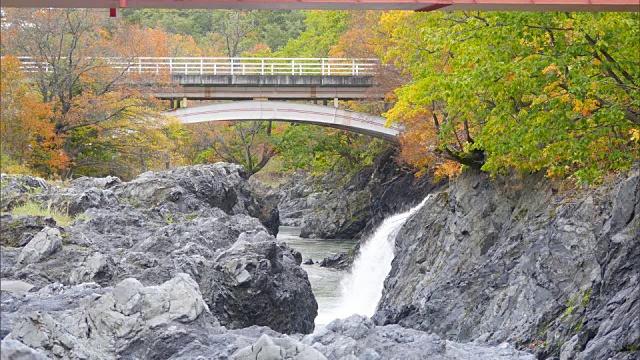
<point x="170" y="66"/>
<point x="231" y="66"/>
<point x="262" y="67"/>
<point x="201" y="66"/>
<point x="322" y="66"/>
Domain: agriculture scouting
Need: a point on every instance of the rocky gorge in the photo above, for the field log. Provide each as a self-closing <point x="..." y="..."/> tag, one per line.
<point x="547" y="266"/>
<point x="183" y="264"/>
<point x="180" y="264"/>
<point x="554" y="271"/>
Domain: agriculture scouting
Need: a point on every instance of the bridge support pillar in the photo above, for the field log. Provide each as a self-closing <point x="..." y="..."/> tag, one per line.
<point x="184" y="102"/>
<point x="335" y="102"/>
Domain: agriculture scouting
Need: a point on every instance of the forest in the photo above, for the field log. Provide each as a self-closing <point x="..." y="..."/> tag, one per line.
<point x="497" y="91"/>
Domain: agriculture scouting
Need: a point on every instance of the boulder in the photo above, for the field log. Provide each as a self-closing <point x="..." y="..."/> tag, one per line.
<point x="85" y="182"/>
<point x="357" y="337"/>
<point x="106" y="324"/>
<point x="261" y="284"/>
<point x="337" y="214"/>
<point x="54" y="299"/>
<point x="267" y="348"/>
<point x="15" y="350"/>
<point x="220" y="185"/>
<point x="18" y="230"/>
<point x="96" y="267"/>
<point x="44" y="244"/>
<point x="15" y="190"/>
<point x="74" y="201"/>
<point x="339" y="261"/>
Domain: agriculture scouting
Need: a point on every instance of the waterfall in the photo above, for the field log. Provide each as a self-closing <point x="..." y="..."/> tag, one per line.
<point x="361" y="289"/>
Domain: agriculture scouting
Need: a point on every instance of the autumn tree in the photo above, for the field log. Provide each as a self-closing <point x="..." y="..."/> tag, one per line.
<point x="245" y="143"/>
<point x="28" y="134"/>
<point x="525" y="91"/>
<point x="100" y="110"/>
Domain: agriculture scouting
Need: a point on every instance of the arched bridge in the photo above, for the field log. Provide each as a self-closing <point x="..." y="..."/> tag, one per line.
<point x="258" y="110"/>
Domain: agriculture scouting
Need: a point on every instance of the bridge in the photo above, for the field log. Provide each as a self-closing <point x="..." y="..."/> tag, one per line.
<point x="263" y="110"/>
<point x="257" y="80"/>
<point x="244" y="78"/>
<point x="418" y="5"/>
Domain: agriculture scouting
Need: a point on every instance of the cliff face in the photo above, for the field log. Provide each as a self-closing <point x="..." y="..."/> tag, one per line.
<point x="356" y="207"/>
<point x="555" y="272"/>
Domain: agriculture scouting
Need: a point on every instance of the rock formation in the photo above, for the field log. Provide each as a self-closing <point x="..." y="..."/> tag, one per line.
<point x="173" y="265"/>
<point x="550" y="270"/>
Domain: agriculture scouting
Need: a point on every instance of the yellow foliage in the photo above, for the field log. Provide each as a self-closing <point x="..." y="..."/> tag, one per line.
<point x="551" y="68"/>
<point x="448" y="169"/>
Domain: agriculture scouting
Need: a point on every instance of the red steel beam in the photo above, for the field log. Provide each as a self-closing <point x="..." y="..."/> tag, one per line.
<point x="424" y="5"/>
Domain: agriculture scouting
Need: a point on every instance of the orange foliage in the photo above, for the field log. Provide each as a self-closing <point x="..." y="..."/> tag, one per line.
<point x="28" y="135"/>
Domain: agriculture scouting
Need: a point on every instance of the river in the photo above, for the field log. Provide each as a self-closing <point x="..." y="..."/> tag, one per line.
<point x="325" y="282"/>
<point x="341" y="293"/>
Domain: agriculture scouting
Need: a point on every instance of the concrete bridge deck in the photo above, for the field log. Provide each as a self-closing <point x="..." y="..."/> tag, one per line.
<point x="281" y="87"/>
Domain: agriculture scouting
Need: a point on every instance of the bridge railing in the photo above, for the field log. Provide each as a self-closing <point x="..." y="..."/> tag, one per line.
<point x="233" y="66"/>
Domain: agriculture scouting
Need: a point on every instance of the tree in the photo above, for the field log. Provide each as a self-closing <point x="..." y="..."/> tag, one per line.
<point x="28" y="135"/>
<point x="99" y="110"/>
<point x="186" y="22"/>
<point x="276" y="28"/>
<point x="237" y="29"/>
<point x="322" y="30"/>
<point x="244" y="143"/>
<point x="524" y="91"/>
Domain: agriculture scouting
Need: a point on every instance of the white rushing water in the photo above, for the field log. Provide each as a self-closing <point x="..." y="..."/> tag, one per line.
<point x="362" y="288"/>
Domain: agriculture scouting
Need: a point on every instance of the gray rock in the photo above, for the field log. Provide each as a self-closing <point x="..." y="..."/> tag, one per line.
<point x="349" y="209"/>
<point x="15" y="286"/>
<point x="15" y="190"/>
<point x="95" y="268"/>
<point x="18" y="230"/>
<point x="498" y="260"/>
<point x="357" y="337"/>
<point x="52" y="299"/>
<point x="191" y="188"/>
<point x="44" y="244"/>
<point x="337" y="261"/>
<point x="267" y="349"/>
<point x="261" y="284"/>
<point x="100" y="183"/>
<point x="104" y="325"/>
<point x="74" y="201"/>
<point x="15" y="350"/>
